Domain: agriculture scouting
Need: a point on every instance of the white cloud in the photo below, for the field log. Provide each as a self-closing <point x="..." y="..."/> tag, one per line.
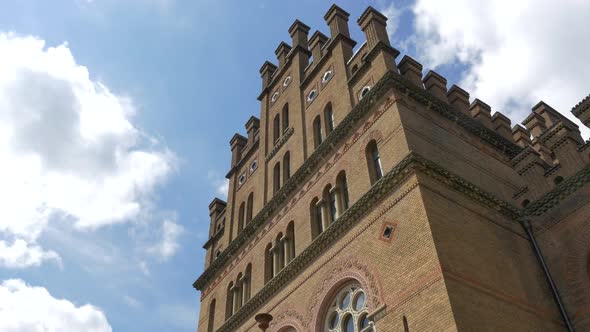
<point x="517" y="52"/>
<point x="221" y="184"/>
<point x="393" y="14"/>
<point x="21" y="254"/>
<point x="68" y="147"/>
<point x="132" y="302"/>
<point x="168" y="245"/>
<point x="24" y="308"/>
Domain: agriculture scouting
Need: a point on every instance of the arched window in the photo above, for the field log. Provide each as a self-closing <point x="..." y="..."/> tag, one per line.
<point x="211" y="321"/>
<point x="250" y="207"/>
<point x="241" y="212"/>
<point x="276" y="128"/>
<point x="329" y="196"/>
<point x="268" y="263"/>
<point x="348" y="311"/>
<point x="315" y="213"/>
<point x="285" y="117"/>
<point x="229" y="303"/>
<point x="276" y="178"/>
<point x="286" y="167"/>
<point x="279" y="253"/>
<point x="374" y="162"/>
<point x="290" y="242"/>
<point x="247" y="284"/>
<point x="238" y="292"/>
<point x="317" y="131"/>
<point x="329" y="118"/>
<point x="342" y="185"/>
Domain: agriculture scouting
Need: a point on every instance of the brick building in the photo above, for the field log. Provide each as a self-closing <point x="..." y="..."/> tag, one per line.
<point x="370" y="197"/>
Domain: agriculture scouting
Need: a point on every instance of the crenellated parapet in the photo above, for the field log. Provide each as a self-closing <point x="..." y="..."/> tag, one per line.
<point x="582" y="111"/>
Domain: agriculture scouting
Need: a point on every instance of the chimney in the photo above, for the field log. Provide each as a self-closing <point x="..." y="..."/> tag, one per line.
<point x="374" y="24"/>
<point x="411" y="70"/>
<point x="237" y="143"/>
<point x="281" y="52"/>
<point x="316" y="42"/>
<point x="337" y="19"/>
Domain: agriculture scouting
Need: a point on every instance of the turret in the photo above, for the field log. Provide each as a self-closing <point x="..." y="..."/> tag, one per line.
<point x="266" y="72"/>
<point x="337" y="19"/>
<point x="215" y="208"/>
<point x="411" y="70"/>
<point x="237" y="144"/>
<point x="281" y="53"/>
<point x="436" y="85"/>
<point x="501" y="124"/>
<point x="459" y="99"/>
<point x="316" y="42"/>
<point x="251" y="127"/>
<point x="481" y="112"/>
<point x="374" y="24"/>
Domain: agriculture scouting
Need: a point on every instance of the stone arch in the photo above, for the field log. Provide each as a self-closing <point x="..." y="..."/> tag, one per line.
<point x="286" y="320"/>
<point x="342" y="272"/>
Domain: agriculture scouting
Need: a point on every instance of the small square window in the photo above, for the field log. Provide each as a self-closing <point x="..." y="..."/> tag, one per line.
<point x="387" y="232"/>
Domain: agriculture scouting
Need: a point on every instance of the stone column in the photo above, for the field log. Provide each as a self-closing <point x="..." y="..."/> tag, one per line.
<point x="337" y="192"/>
<point x="245" y="288"/>
<point x="285" y="250"/>
<point x="275" y="256"/>
<point x="234" y="291"/>
<point x="325" y="217"/>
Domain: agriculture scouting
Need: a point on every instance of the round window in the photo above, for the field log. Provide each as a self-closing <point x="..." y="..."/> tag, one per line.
<point x="364" y="92"/>
<point x="348" y="311"/>
<point x="242" y="178"/>
<point x="327" y="76"/>
<point x="274" y="96"/>
<point x="253" y="166"/>
<point x="287" y="81"/>
<point x="311" y="95"/>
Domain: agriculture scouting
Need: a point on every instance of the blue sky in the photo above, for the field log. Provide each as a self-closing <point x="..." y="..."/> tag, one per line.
<point x="137" y="101"/>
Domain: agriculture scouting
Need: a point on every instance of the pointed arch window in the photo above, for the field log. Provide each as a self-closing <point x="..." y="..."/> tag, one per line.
<point x="285" y="117"/>
<point x="276" y="128"/>
<point x="317" y="131"/>
<point x="276" y="178"/>
<point x="374" y="162"/>
<point x="241" y="215"/>
<point x="286" y="167"/>
<point x="250" y="207"/>
<point x="211" y="320"/>
<point x="329" y="118"/>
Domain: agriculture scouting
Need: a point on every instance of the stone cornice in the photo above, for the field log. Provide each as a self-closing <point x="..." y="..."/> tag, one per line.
<point x="341" y="132"/>
<point x="564" y="189"/>
<point x="282" y="140"/>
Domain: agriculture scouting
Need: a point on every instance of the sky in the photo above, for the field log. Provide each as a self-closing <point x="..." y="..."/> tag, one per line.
<point x="116" y="115"/>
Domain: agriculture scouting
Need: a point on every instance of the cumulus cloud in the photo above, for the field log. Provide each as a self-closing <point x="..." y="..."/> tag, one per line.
<point x="221" y="184"/>
<point x="21" y="254"/>
<point x="68" y="147"/>
<point x="24" y="308"/>
<point x="516" y="52"/>
<point x="168" y="245"/>
<point x="393" y="13"/>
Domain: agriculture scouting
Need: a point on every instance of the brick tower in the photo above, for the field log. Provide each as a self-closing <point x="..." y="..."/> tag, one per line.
<point x="368" y="197"/>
